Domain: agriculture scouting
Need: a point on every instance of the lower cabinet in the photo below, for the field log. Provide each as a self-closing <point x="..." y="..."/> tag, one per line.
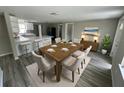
<point x="86" y="44"/>
<point x="44" y="42"/>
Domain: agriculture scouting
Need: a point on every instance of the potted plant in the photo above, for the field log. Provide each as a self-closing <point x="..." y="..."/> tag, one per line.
<point x="106" y="43"/>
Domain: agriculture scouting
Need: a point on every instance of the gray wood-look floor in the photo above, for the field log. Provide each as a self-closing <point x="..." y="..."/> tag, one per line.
<point x="16" y="75"/>
<point x="97" y="73"/>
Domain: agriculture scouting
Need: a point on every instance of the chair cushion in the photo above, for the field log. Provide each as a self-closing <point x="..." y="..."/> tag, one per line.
<point x="77" y="53"/>
<point x="69" y="61"/>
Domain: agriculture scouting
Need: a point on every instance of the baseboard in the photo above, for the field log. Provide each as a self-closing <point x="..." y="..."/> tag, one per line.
<point x="5" y="54"/>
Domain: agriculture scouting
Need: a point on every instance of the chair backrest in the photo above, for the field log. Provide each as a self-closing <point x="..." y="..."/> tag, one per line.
<point x="88" y="50"/>
<point x="78" y="62"/>
<point x="58" y="39"/>
<point x="43" y="64"/>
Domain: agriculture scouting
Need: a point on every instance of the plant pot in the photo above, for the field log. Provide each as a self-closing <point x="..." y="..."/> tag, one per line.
<point x="104" y="51"/>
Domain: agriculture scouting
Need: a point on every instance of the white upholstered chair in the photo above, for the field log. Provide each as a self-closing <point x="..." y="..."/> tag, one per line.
<point x="44" y="63"/>
<point x="58" y="39"/>
<point x="78" y="53"/>
<point x="72" y="64"/>
<point x="87" y="52"/>
<point x="36" y="44"/>
<point x="25" y="47"/>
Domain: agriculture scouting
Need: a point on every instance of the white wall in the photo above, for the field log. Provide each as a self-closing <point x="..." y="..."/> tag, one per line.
<point x="105" y="27"/>
<point x="5" y="46"/>
<point x="116" y="75"/>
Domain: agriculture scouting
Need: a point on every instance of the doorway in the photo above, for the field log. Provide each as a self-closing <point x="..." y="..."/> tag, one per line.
<point x="69" y="29"/>
<point x="52" y="32"/>
<point x="60" y="28"/>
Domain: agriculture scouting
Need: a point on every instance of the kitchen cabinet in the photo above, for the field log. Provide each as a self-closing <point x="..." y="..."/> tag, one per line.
<point x="14" y="25"/>
<point x="86" y="44"/>
<point x="29" y="26"/>
<point x="45" y="40"/>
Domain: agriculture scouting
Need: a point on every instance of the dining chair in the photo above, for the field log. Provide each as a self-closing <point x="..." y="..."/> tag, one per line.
<point x="72" y="64"/>
<point x="25" y="47"/>
<point x="78" y="53"/>
<point x="36" y="44"/>
<point x="58" y="39"/>
<point x="87" y="52"/>
<point x="44" y="63"/>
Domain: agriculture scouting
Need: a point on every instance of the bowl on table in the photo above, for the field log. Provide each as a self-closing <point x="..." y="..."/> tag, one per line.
<point x="73" y="45"/>
<point x="50" y="50"/>
<point x="53" y="45"/>
<point x="65" y="49"/>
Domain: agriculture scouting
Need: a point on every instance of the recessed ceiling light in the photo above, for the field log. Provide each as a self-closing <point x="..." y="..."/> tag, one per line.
<point x="53" y="13"/>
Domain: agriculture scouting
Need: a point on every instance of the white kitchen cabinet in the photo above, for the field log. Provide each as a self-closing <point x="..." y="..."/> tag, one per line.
<point x="15" y="29"/>
<point x="14" y="24"/>
<point x="13" y="19"/>
<point x="30" y="26"/>
<point x="45" y="41"/>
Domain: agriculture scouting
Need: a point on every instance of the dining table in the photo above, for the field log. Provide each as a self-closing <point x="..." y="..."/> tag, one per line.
<point x="59" y="54"/>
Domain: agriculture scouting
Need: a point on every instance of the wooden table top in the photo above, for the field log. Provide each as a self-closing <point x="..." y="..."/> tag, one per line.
<point x="60" y="55"/>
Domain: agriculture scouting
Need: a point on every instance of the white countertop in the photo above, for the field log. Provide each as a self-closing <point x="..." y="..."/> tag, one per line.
<point x="25" y="39"/>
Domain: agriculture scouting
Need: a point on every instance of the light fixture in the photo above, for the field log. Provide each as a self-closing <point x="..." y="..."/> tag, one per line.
<point x="95" y="38"/>
<point x="53" y="13"/>
<point x="83" y="36"/>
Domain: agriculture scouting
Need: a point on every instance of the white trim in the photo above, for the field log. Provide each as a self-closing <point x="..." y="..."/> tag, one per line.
<point x="112" y="77"/>
<point x="5" y="54"/>
<point x="1" y="78"/>
<point x="66" y="26"/>
<point x="121" y="70"/>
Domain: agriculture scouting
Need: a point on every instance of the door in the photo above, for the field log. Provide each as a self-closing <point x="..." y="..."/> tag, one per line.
<point x="69" y="31"/>
<point x="60" y="27"/>
<point x="118" y="34"/>
<point x="53" y="33"/>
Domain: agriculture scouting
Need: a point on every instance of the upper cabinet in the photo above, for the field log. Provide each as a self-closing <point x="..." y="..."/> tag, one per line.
<point x="30" y="26"/>
<point x="20" y="25"/>
<point x="14" y="24"/>
<point x="13" y="19"/>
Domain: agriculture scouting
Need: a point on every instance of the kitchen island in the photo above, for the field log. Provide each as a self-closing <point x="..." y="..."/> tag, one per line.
<point x="44" y="41"/>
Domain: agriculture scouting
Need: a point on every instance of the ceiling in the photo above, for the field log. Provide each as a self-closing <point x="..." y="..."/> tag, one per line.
<point x="64" y="13"/>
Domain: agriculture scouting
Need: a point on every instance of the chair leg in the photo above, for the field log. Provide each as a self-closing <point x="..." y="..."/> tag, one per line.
<point x="61" y="68"/>
<point x="43" y="76"/>
<point x="72" y="76"/>
<point x="78" y="71"/>
<point x="38" y="71"/>
<point x="84" y="61"/>
<point x="82" y="65"/>
<point x="55" y="69"/>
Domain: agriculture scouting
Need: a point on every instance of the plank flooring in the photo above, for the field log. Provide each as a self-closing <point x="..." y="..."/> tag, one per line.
<point x="16" y="75"/>
<point x="97" y="73"/>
